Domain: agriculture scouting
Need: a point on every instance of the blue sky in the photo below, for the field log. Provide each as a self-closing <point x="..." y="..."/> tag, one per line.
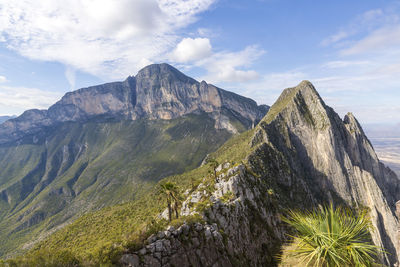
<point x="350" y="50"/>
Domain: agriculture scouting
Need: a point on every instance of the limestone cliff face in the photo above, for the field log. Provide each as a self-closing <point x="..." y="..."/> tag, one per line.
<point x="158" y="91"/>
<point x="302" y="155"/>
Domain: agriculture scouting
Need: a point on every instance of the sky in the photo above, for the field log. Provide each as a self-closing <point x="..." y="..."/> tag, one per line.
<point x="349" y="50"/>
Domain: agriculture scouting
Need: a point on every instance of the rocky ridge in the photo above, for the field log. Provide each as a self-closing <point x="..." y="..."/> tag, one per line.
<point x="158" y="91"/>
<point x="302" y="155"/>
<point x="333" y="160"/>
<point x="241" y="226"/>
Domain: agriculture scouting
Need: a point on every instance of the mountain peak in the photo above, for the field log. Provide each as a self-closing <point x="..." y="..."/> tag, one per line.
<point x="306" y="88"/>
<point x="162" y="71"/>
<point x="303" y="97"/>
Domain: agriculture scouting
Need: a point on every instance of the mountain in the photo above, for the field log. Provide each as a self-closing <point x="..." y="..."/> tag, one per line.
<point x="158" y="91"/>
<point x="108" y="144"/>
<point x="301" y="155"/>
<point x="5" y="118"/>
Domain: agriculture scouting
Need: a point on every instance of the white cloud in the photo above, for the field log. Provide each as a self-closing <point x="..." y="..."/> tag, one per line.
<point x="104" y="38"/>
<point x="222" y="66"/>
<point x="231" y="66"/>
<point x="336" y="64"/>
<point x="335" y="38"/>
<point x="376" y="42"/>
<point x="269" y="86"/>
<point x="70" y="75"/>
<point x="189" y="50"/>
<point x="16" y="99"/>
<point x="206" y="32"/>
<point x="3" y="79"/>
<point x="362" y="24"/>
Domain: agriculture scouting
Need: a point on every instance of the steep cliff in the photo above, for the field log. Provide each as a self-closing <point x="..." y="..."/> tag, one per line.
<point x="300" y="155"/>
<point x="333" y="159"/>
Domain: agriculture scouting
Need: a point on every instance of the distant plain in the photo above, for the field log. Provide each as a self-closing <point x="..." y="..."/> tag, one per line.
<point x="388" y="150"/>
<point x="385" y="139"/>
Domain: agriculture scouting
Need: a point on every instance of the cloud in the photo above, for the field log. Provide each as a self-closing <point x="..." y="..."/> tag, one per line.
<point x="192" y="50"/>
<point x="221" y="66"/>
<point x="345" y="63"/>
<point x="335" y="38"/>
<point x="3" y="79"/>
<point x="104" y="38"/>
<point x="267" y="88"/>
<point x="231" y="66"/>
<point x="376" y="42"/>
<point x="362" y="24"/>
<point x="13" y="98"/>
<point x="70" y="75"/>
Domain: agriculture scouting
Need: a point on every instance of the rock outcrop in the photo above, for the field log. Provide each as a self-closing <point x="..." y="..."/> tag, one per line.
<point x="302" y="155"/>
<point x="158" y="91"/>
<point x="242" y="226"/>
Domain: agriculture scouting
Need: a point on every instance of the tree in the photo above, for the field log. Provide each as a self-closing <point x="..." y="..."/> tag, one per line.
<point x="176" y="204"/>
<point x="330" y="237"/>
<point x="170" y="192"/>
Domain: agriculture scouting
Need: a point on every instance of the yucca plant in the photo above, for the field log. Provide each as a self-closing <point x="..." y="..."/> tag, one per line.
<point x="170" y="192"/>
<point x="330" y="237"/>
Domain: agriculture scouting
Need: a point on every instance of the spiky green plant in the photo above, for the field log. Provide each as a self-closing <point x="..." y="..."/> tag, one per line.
<point x="330" y="237"/>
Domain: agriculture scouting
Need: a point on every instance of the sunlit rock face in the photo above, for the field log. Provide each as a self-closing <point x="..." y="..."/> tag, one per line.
<point x="333" y="160"/>
<point x="158" y="91"/>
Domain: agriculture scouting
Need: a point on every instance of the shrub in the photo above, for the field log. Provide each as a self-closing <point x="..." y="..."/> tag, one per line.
<point x="330" y="237"/>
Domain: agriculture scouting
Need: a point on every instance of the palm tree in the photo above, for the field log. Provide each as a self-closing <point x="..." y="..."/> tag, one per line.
<point x="170" y="191"/>
<point x="330" y="237"/>
<point x="176" y="204"/>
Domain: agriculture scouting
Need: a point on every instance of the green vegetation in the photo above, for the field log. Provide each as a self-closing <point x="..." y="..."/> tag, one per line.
<point x="235" y="149"/>
<point x="281" y="103"/>
<point x="98" y="238"/>
<point x="214" y="164"/>
<point x="330" y="237"/>
<point x="228" y="196"/>
<point x="83" y="167"/>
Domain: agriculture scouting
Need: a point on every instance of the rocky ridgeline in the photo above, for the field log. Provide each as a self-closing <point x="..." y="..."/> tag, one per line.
<point x="189" y="245"/>
<point x="241" y="226"/>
